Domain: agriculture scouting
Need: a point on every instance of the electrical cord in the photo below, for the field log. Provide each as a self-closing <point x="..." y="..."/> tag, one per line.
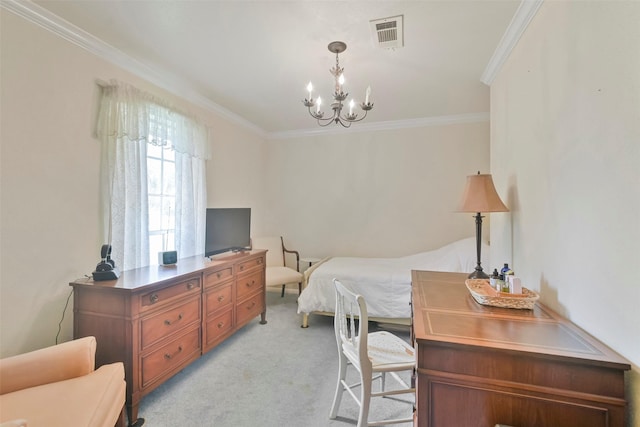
<point x="63" y="312"/>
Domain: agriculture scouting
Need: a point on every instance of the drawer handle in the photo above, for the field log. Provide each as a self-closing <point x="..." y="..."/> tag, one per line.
<point x="170" y="356"/>
<point x="253" y="304"/>
<point x="253" y="282"/>
<point x="190" y="285"/>
<point x="219" y="275"/>
<point x="241" y="267"/>
<point x="153" y="298"/>
<point x="169" y="322"/>
<point x="220" y="298"/>
<point x="220" y="325"/>
<point x="259" y="261"/>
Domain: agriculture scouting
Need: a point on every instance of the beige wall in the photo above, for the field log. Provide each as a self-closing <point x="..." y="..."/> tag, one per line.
<point x="565" y="149"/>
<point x="380" y="194"/>
<point x="236" y="170"/>
<point x="50" y="214"/>
<point x="386" y="193"/>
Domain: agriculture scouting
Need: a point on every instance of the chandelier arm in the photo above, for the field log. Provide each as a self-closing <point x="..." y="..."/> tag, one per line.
<point x="347" y="119"/>
<point x="315" y="116"/>
<point x="321" y="119"/>
<point x="325" y="124"/>
<point x="360" y="119"/>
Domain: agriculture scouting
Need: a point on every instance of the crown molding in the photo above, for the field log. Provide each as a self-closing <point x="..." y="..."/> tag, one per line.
<point x="382" y="126"/>
<point x="521" y="19"/>
<point x="53" y="23"/>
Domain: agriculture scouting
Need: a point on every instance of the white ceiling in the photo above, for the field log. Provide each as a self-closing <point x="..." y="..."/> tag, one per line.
<point x="253" y="59"/>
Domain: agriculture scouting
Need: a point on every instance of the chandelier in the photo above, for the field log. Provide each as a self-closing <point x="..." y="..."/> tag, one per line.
<point x="339" y="96"/>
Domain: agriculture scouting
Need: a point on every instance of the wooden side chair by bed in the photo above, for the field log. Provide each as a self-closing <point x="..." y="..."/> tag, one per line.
<point x="277" y="272"/>
<point x="375" y="353"/>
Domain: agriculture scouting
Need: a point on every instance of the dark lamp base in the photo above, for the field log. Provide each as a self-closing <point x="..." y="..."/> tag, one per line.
<point x="478" y="274"/>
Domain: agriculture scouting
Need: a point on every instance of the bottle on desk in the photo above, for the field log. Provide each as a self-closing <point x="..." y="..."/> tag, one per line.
<point x="515" y="285"/>
<point x="493" y="279"/>
<point x="505" y="269"/>
<point x="505" y="272"/>
<point x="504" y="284"/>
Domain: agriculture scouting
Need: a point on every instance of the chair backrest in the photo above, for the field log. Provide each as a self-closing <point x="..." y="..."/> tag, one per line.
<point x="352" y="339"/>
<point x="275" y="251"/>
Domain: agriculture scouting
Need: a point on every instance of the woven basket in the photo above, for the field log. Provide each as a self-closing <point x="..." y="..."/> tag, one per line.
<point x="484" y="294"/>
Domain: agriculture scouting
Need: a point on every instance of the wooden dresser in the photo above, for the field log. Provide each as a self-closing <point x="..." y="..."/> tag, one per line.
<point x="158" y="319"/>
<point x="479" y="366"/>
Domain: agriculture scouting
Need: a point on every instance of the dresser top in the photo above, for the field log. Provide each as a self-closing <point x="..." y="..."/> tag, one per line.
<point x="444" y="311"/>
<point x="140" y="278"/>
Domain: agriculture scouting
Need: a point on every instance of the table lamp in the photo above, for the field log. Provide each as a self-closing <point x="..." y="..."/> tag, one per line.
<point x="480" y="196"/>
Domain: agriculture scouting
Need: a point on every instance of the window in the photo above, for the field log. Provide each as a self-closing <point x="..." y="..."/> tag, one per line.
<point x="161" y="189"/>
<point x="154" y="180"/>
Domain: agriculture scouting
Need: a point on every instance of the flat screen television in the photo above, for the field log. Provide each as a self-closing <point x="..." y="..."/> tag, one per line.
<point x="227" y="229"/>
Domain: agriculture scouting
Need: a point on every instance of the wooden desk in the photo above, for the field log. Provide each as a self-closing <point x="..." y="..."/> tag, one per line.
<point x="480" y="366"/>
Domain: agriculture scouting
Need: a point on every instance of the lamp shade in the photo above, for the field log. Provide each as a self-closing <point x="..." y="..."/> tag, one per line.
<point x="480" y="195"/>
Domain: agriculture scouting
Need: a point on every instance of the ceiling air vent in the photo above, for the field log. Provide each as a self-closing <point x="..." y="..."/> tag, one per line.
<point x="388" y="32"/>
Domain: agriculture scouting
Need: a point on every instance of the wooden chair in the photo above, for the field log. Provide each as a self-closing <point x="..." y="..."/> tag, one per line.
<point x="277" y="272"/>
<point x="372" y="353"/>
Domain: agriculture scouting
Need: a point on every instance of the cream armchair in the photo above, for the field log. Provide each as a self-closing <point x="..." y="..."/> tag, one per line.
<point x="278" y="274"/>
<point x="58" y="386"/>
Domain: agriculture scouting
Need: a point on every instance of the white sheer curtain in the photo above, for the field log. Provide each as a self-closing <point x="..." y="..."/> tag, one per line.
<point x="128" y="120"/>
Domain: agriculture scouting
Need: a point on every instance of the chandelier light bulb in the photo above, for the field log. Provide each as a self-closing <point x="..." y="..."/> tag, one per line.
<point x="366" y="99"/>
<point x="318" y="102"/>
<point x="341" y="79"/>
<point x="310" y="89"/>
<point x="351" y="104"/>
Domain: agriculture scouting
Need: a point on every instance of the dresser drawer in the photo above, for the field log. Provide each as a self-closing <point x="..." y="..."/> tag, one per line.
<point x="250" y="264"/>
<point x="163" y="324"/>
<point x="161" y="296"/>
<point x="170" y="357"/>
<point x="216" y="277"/>
<point x="250" y="308"/>
<point x="249" y="283"/>
<point x="218" y="298"/>
<point x="218" y="326"/>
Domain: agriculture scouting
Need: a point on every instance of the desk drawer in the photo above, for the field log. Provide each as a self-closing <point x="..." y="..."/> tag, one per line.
<point x="162" y="296"/>
<point x="249" y="284"/>
<point x="218" y="298"/>
<point x="170" y="357"/>
<point x="163" y="324"/>
<point x="488" y="404"/>
<point x="250" y="308"/>
<point x="216" y="277"/>
<point x="250" y="264"/>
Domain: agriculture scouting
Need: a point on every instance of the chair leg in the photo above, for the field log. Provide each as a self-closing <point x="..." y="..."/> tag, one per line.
<point x="122" y="418"/>
<point x="365" y="399"/>
<point x="342" y="375"/>
<point x="299" y="288"/>
<point x="282" y="294"/>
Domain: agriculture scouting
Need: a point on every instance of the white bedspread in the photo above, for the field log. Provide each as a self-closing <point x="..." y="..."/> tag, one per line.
<point x="385" y="283"/>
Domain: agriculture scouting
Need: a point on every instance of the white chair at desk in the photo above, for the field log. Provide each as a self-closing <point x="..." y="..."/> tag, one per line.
<point x="370" y="353"/>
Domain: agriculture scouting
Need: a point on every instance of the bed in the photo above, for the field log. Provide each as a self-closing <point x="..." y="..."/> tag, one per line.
<point x="385" y="283"/>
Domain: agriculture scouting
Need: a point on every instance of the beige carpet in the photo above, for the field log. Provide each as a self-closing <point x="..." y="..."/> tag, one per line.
<point x="270" y="375"/>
